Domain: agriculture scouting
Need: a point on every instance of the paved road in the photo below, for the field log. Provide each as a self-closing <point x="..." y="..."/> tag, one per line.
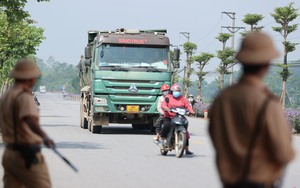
<point x="124" y="158"/>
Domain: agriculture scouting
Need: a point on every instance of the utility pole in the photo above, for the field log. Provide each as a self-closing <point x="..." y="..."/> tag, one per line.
<point x="232" y="30"/>
<point x="184" y="89"/>
<point x="186" y="34"/>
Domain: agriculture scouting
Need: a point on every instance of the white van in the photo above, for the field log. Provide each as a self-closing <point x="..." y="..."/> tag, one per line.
<point x="43" y="89"/>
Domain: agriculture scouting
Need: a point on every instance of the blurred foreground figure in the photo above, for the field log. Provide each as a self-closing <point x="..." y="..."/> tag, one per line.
<point x="23" y="162"/>
<point x="248" y="127"/>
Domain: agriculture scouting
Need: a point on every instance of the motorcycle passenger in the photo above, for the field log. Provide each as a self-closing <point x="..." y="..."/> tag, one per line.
<point x="165" y="89"/>
<point x="174" y="100"/>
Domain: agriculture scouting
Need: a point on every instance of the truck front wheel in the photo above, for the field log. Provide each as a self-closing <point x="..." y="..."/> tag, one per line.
<point x="96" y="129"/>
<point x="83" y="120"/>
<point x="138" y="126"/>
<point x="84" y="123"/>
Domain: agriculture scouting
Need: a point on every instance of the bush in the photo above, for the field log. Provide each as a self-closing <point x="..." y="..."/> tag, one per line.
<point x="293" y="117"/>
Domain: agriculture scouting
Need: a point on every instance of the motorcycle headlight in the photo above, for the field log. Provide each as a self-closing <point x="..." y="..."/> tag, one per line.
<point x="181" y="111"/>
<point x="100" y="101"/>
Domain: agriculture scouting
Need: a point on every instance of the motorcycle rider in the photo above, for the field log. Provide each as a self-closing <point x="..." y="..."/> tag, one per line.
<point x="174" y="100"/>
<point x="35" y="99"/>
<point x="165" y="89"/>
<point x="191" y="100"/>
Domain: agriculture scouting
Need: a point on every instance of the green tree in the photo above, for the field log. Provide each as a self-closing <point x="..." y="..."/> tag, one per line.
<point x="283" y="16"/>
<point x="293" y="91"/>
<point x="14" y="9"/>
<point x="17" y="40"/>
<point x="223" y="38"/>
<point x="56" y="74"/>
<point x="209" y="91"/>
<point x="189" y="48"/>
<point x="226" y="57"/>
<point x="202" y="61"/>
<point x="252" y="20"/>
<point x="293" y="84"/>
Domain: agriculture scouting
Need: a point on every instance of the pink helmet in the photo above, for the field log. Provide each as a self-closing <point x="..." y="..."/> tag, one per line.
<point x="176" y="87"/>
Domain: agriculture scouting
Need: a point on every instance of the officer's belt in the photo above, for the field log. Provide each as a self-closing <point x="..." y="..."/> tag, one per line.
<point x="18" y="147"/>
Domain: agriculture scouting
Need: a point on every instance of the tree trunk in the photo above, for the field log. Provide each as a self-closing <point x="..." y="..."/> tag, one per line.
<point x="4" y="86"/>
<point x="283" y="94"/>
<point x="200" y="87"/>
<point x="222" y="81"/>
<point x="284" y="80"/>
<point x="185" y="87"/>
<point x="188" y="68"/>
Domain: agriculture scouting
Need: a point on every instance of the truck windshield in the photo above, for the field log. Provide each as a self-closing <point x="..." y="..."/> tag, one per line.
<point x="133" y="56"/>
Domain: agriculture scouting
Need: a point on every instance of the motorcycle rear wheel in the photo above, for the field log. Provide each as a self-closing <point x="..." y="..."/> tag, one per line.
<point x="180" y="142"/>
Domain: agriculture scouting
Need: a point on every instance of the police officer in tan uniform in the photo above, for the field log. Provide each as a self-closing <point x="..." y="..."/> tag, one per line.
<point x="24" y="165"/>
<point x="247" y="126"/>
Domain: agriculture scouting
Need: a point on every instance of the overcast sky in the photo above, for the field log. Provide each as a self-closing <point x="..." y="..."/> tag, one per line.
<point x="66" y="22"/>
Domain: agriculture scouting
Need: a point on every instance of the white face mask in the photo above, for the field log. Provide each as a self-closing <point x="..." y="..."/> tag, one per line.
<point x="165" y="93"/>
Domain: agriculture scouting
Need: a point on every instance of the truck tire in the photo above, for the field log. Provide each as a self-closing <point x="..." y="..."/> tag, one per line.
<point x="80" y="115"/>
<point x="134" y="126"/>
<point x="138" y="126"/>
<point x="90" y="126"/>
<point x="83" y="120"/>
<point x="150" y="127"/>
<point x="85" y="123"/>
<point x="96" y="129"/>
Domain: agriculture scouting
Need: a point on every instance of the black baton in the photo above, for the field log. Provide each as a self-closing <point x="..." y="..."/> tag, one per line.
<point x="65" y="159"/>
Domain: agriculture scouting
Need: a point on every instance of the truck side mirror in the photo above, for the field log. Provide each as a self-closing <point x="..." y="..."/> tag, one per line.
<point x="176" y="56"/>
<point x="87" y="62"/>
<point x="176" y="65"/>
<point x="87" y="52"/>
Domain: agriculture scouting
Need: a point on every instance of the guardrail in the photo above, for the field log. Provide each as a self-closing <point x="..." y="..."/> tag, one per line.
<point x="70" y="96"/>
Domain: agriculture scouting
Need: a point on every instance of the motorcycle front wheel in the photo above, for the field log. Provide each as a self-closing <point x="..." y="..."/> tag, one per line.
<point x="163" y="152"/>
<point x="180" y="142"/>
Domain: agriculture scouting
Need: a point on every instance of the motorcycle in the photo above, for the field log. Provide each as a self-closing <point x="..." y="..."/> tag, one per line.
<point x="36" y="100"/>
<point x="176" y="139"/>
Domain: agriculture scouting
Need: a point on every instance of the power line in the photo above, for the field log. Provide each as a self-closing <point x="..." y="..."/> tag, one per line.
<point x="210" y="30"/>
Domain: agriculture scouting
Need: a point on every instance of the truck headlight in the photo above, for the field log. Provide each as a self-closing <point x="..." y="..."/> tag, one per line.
<point x="99" y="101"/>
<point x="101" y="108"/>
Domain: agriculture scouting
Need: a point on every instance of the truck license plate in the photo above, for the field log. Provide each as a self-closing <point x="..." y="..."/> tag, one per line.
<point x="132" y="109"/>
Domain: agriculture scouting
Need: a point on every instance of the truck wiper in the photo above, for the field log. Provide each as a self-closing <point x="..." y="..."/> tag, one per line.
<point x="116" y="68"/>
<point x="149" y="68"/>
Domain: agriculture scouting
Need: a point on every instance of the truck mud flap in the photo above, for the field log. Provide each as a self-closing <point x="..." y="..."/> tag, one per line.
<point x="101" y="120"/>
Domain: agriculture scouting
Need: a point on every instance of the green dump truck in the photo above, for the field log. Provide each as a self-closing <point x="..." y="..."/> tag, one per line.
<point x="121" y="75"/>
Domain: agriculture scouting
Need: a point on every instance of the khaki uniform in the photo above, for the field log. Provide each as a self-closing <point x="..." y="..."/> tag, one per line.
<point x="232" y="122"/>
<point x="15" y="173"/>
